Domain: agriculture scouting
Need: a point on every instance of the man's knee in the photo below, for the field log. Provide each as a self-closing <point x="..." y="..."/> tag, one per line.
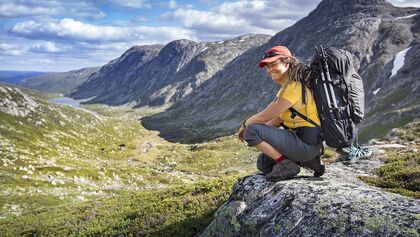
<point x="252" y="134"/>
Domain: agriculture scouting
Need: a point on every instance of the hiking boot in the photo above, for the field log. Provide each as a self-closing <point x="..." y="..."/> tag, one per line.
<point x="316" y="165"/>
<point x="285" y="169"/>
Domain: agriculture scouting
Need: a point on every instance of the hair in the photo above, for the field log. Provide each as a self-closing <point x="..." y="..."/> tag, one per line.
<point x="296" y="72"/>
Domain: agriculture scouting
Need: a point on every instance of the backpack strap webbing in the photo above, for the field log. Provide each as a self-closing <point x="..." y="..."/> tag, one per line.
<point x="295" y="112"/>
<point x="302" y="81"/>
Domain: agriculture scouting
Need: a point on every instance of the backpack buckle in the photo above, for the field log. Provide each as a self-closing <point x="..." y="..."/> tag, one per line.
<point x="293" y="115"/>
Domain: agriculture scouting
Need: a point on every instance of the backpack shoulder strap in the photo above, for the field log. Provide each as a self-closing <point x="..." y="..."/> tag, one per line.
<point x="295" y="112"/>
<point x="302" y="82"/>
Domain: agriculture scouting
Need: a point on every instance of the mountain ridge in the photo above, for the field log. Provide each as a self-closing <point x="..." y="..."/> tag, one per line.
<point x="173" y="72"/>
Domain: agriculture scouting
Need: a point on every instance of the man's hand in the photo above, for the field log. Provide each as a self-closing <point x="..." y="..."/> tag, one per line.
<point x="241" y="133"/>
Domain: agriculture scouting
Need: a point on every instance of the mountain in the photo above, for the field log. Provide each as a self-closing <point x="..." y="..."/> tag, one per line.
<point x="163" y="77"/>
<point x="59" y="82"/>
<point x="116" y="74"/>
<point x="15" y="77"/>
<point x="374" y="31"/>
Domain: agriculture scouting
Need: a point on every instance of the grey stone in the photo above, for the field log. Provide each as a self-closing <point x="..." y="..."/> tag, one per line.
<point x="337" y="204"/>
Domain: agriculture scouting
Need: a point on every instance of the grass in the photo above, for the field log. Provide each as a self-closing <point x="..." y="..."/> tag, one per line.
<point x="58" y="162"/>
<point x="401" y="170"/>
<point x="378" y="130"/>
<point x="394" y="97"/>
<point x="177" y="211"/>
<point x="400" y="174"/>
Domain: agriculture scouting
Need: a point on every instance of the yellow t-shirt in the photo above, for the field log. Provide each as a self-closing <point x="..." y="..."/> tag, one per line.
<point x="293" y="94"/>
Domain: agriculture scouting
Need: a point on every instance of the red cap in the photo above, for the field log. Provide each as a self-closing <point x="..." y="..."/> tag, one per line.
<point x="275" y="53"/>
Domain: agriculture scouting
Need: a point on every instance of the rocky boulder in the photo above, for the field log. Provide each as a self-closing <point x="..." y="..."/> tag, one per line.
<point x="337" y="204"/>
<point x="15" y="102"/>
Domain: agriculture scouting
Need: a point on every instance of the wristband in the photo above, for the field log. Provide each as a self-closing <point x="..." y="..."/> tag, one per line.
<point x="243" y="123"/>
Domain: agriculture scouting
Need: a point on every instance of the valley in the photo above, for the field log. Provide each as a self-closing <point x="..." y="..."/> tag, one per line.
<point x="58" y="156"/>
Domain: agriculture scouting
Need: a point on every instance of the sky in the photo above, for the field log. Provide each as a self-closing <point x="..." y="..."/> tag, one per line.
<point x="53" y="35"/>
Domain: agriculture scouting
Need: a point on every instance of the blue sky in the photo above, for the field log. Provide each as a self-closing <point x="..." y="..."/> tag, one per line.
<point x="53" y="35"/>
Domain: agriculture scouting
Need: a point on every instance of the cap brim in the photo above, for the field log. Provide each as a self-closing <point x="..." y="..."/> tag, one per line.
<point x="269" y="60"/>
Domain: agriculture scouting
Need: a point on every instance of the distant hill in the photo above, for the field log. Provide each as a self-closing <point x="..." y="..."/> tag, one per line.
<point x="59" y="82"/>
<point x="15" y="77"/>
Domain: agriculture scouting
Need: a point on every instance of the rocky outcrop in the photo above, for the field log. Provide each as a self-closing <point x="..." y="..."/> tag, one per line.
<point x="373" y="30"/>
<point x="15" y="102"/>
<point x="337" y="204"/>
<point x="59" y="82"/>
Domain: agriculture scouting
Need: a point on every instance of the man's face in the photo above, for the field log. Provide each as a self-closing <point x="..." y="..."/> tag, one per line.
<point x="277" y="70"/>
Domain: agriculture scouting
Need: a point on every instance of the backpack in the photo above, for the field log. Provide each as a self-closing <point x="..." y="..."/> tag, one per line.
<point x="338" y="94"/>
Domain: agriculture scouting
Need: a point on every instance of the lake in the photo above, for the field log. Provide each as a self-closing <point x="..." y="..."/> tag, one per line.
<point x="70" y="102"/>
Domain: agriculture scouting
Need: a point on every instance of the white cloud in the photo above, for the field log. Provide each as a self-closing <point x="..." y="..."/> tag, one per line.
<point x="11" y="49"/>
<point x="131" y="3"/>
<point x="242" y="17"/>
<point x="45" y="47"/>
<point x="12" y="10"/>
<point x="210" y="21"/>
<point x="72" y="30"/>
<point x="76" y="8"/>
<point x="172" y="4"/>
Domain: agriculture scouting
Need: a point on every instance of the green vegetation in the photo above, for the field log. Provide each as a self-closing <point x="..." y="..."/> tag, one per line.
<point x="401" y="170"/>
<point x="58" y="165"/>
<point x="394" y="97"/>
<point x="178" y="211"/>
<point x="400" y="174"/>
<point x="380" y="130"/>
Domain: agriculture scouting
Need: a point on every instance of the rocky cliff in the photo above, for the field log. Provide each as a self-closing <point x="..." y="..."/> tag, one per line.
<point x="337" y="204"/>
<point x="168" y="75"/>
<point x="373" y="30"/>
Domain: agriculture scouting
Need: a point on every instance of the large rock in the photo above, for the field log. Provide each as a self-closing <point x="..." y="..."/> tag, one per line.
<point x="15" y="102"/>
<point x="337" y="204"/>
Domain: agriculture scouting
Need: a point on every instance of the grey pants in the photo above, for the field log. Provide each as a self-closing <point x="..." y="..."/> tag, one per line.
<point x="284" y="141"/>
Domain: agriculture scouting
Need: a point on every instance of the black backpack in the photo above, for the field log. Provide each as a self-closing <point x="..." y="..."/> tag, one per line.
<point x="338" y="94"/>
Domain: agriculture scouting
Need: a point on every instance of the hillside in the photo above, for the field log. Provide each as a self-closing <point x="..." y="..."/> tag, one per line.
<point x="59" y="82"/>
<point x="58" y="159"/>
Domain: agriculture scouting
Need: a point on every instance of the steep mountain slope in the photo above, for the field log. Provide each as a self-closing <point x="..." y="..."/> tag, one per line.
<point x="373" y="30"/>
<point x="59" y="82"/>
<point x="116" y="74"/>
<point x="179" y="69"/>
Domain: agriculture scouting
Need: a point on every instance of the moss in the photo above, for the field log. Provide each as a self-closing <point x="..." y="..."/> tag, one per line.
<point x="379" y="223"/>
<point x="400" y="174"/>
<point x="340" y="223"/>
